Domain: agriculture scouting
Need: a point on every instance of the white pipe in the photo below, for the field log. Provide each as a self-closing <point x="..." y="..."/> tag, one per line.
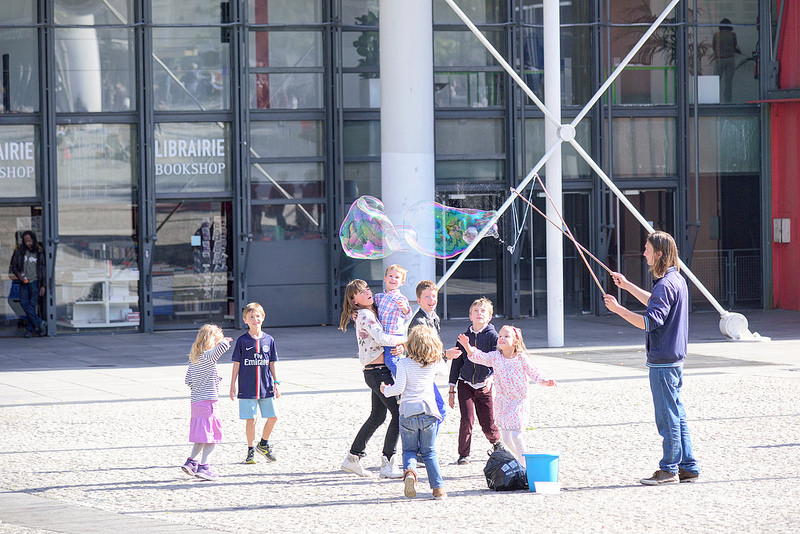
<point x="407" y="140"/>
<point x="555" y="242"/>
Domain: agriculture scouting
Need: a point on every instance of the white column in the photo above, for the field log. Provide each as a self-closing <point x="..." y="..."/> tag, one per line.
<point x="552" y="99"/>
<point x="407" y="149"/>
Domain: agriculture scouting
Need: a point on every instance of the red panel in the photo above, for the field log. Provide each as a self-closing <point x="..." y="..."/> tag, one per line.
<point x="785" y="141"/>
<point x="789" y="44"/>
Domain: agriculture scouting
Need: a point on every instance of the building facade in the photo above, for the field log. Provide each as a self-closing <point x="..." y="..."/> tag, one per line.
<point x="177" y="163"/>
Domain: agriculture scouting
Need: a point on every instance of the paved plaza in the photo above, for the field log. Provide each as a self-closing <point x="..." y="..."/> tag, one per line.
<point x="93" y="429"/>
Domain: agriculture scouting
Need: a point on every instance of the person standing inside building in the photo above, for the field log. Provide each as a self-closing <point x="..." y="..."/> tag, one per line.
<point x="725" y="50"/>
<point x="666" y="326"/>
<point x="27" y="264"/>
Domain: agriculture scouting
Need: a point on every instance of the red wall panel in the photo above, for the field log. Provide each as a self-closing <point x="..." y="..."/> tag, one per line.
<point x="785" y="141"/>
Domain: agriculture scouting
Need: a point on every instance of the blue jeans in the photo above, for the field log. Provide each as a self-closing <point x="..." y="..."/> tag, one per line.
<point x="418" y="434"/>
<point x="665" y="385"/>
<point x="29" y="299"/>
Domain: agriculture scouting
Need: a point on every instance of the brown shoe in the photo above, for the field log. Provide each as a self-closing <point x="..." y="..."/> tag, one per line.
<point x="660" y="477"/>
<point x="687" y="476"/>
<point x="439" y="494"/>
<point x="410" y="483"/>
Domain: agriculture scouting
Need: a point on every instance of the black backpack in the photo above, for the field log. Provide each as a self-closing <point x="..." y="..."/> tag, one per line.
<point x="504" y="473"/>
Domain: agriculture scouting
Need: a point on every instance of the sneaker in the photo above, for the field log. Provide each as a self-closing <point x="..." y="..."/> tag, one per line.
<point x="389" y="469"/>
<point x="463" y="460"/>
<point x="420" y="462"/>
<point x="687" y="476"/>
<point x="251" y="456"/>
<point x="266" y="450"/>
<point x="28" y="333"/>
<point x="410" y="483"/>
<point x="439" y="494"/>
<point x="190" y="467"/>
<point x="204" y="472"/>
<point x="660" y="477"/>
<point x="352" y="463"/>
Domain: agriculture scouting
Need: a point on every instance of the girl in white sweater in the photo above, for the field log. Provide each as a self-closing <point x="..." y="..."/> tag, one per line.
<point x="419" y="415"/>
<point x="371" y="339"/>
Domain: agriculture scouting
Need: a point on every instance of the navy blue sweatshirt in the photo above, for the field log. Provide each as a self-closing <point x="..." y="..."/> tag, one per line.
<point x="474" y="373"/>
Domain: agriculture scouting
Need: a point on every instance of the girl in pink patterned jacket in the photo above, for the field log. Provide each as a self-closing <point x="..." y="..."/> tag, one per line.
<point x="512" y="371"/>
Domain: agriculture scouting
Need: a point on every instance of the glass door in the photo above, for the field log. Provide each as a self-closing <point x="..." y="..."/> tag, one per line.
<point x="481" y="273"/>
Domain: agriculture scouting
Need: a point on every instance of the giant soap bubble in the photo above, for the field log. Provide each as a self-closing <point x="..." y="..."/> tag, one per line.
<point x="442" y="231"/>
<point x="429" y="228"/>
<point x="367" y="233"/>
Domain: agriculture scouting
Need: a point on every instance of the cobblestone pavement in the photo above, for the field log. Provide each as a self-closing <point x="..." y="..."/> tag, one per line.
<point x="92" y="441"/>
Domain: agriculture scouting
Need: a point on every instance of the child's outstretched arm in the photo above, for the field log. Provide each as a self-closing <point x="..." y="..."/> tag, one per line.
<point x="473" y="354"/>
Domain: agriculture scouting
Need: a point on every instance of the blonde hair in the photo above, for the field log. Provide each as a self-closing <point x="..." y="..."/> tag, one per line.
<point x="423" y="285"/>
<point x="483" y="302"/>
<point x="253" y="307"/>
<point x="348" y="306"/>
<point x="397" y="268"/>
<point x="519" y="345"/>
<point x="424" y="345"/>
<point x="207" y="338"/>
<point x="664" y="243"/>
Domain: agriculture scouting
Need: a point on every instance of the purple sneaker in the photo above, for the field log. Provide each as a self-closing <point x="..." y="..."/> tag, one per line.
<point x="190" y="467"/>
<point x="204" y="472"/>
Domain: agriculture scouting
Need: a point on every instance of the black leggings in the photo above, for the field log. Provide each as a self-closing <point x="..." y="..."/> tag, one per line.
<point x="373" y="376"/>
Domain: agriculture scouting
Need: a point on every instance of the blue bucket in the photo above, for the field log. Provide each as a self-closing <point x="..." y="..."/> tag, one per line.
<point x="542" y="467"/>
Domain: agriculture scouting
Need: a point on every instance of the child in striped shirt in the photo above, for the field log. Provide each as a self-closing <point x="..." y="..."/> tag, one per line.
<point x="205" y="427"/>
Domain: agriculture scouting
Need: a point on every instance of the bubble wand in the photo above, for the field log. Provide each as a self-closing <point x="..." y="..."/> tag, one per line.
<point x="564" y="228"/>
<point x="548" y="219"/>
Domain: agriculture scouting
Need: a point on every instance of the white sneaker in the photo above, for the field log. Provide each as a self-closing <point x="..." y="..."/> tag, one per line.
<point x="352" y="463"/>
<point x="389" y="469"/>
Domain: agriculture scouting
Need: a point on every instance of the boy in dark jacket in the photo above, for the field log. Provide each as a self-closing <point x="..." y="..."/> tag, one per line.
<point x="474" y="381"/>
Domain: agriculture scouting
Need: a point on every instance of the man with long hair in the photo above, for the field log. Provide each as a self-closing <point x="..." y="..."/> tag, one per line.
<point x="666" y="326"/>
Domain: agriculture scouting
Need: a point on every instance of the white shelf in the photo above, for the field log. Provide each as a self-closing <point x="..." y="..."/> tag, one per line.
<point x="116" y="300"/>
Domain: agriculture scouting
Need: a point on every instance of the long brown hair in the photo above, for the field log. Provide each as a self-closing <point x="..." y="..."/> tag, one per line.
<point x="424" y="345"/>
<point x="348" y="306"/>
<point x="664" y="243"/>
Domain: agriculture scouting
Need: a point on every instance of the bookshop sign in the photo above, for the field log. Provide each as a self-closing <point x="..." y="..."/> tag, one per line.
<point x="18" y="167"/>
<point x="191" y="157"/>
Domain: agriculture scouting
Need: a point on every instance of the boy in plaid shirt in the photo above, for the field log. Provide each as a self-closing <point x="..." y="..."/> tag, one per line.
<point x="394" y="311"/>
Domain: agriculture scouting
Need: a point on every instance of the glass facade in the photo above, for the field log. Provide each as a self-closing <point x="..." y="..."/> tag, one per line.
<point x="177" y="163"/>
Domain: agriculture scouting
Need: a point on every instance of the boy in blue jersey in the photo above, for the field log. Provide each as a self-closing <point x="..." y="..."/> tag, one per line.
<point x="254" y="358"/>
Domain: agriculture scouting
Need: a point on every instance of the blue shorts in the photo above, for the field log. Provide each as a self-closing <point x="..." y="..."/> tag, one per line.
<point x="248" y="408"/>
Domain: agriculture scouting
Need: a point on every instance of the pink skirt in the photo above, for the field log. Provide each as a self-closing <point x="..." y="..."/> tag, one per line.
<point x="205" y="425"/>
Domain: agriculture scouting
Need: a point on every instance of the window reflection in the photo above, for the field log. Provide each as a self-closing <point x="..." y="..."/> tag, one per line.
<point x="286" y="138"/>
<point x="287" y="181"/>
<point x="18" y="60"/>
<point x="286" y="91"/>
<point x="285" y="11"/>
<point x="279" y="222"/>
<point x="644" y="146"/>
<point x="192" y="263"/>
<point x="96" y="266"/>
<point x="94" y="69"/>
<point x="190" y="69"/>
